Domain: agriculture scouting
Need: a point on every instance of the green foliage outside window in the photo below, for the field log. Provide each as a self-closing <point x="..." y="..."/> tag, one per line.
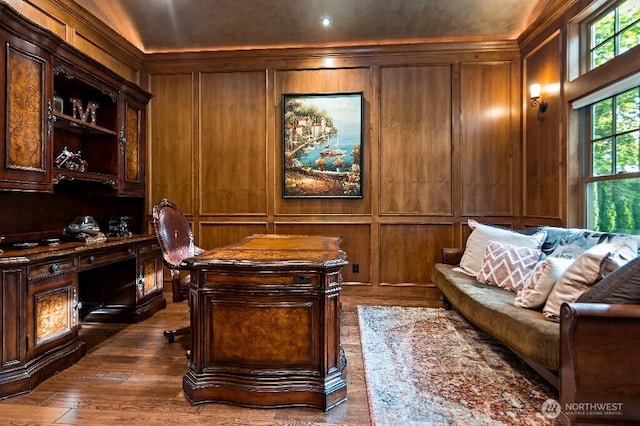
<point x="614" y="203"/>
<point x="613" y="180"/>
<point x="615" y="32"/>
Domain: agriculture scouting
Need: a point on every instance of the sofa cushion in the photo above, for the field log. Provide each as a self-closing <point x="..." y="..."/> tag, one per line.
<point x="491" y="308"/>
<point x="507" y="266"/>
<point x="624" y="250"/>
<point x="481" y="234"/>
<point x="569" y="243"/>
<point x="620" y="286"/>
<point x="536" y="290"/>
<point x="585" y="271"/>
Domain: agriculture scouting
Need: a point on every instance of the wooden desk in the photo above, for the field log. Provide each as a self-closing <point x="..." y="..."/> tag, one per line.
<point x="46" y="292"/>
<point x="265" y="323"/>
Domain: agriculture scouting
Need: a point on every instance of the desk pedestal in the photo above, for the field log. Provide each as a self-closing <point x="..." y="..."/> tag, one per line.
<point x="266" y="334"/>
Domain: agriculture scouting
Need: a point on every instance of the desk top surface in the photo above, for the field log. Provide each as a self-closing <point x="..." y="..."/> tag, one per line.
<point x="43" y="251"/>
<point x="274" y="250"/>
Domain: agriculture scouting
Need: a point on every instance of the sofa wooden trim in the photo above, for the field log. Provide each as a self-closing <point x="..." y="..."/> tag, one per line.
<point x="599" y="352"/>
<point x="599" y="355"/>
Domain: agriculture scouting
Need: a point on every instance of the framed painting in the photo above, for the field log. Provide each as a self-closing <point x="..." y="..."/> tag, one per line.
<point x="322" y="137"/>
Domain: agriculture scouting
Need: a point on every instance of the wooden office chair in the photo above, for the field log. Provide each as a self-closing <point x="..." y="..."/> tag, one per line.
<point x="176" y="241"/>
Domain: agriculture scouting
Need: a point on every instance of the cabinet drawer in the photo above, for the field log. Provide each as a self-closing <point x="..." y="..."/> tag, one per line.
<point x="148" y="247"/>
<point x="286" y="280"/>
<point x="44" y="270"/>
<point x="105" y="257"/>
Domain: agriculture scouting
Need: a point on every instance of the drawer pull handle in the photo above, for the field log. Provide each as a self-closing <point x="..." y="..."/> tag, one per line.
<point x="91" y="259"/>
<point x="54" y="268"/>
<point x="301" y="279"/>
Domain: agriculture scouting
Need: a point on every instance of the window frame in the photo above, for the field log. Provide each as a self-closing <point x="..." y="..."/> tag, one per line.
<point x="587" y="140"/>
<point x="581" y="84"/>
<point x="587" y="33"/>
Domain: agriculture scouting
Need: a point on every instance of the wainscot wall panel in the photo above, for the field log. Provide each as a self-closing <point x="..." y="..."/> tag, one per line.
<point x="415" y="153"/>
<point x="171" y="141"/>
<point x="422" y="112"/>
<point x="488" y="138"/>
<point x="356" y="242"/>
<point x="410" y="252"/>
<point x="233" y="157"/>
<point x="216" y="234"/>
<point x="544" y="152"/>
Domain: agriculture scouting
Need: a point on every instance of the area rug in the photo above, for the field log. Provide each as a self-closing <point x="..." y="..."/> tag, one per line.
<point x="427" y="366"/>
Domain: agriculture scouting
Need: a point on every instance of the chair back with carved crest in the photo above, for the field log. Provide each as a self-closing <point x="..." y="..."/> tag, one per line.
<point x="176" y="242"/>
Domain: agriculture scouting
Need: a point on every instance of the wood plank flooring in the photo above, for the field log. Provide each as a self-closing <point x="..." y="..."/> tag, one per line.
<point x="132" y="376"/>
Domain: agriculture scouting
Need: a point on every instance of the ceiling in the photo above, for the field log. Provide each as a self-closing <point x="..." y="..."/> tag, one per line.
<point x="192" y="25"/>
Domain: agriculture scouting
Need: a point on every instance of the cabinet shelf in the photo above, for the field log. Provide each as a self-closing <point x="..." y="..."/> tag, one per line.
<point x="60" y="175"/>
<point x="69" y="123"/>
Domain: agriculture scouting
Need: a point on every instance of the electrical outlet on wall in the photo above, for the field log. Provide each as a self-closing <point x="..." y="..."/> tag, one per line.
<point x="355" y="268"/>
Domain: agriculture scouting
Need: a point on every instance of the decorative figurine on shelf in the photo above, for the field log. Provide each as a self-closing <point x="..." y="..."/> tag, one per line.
<point x="83" y="114"/>
<point x="85" y="228"/>
<point x="119" y="226"/>
<point x="71" y="161"/>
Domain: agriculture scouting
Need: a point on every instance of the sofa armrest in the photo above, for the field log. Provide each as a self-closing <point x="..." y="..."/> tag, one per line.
<point x="599" y="352"/>
<point x="452" y="256"/>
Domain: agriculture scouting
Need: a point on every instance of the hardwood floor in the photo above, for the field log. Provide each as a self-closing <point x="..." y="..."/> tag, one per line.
<point x="132" y="376"/>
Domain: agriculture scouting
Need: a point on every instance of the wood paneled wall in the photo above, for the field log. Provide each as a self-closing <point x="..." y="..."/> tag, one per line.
<point x="544" y="187"/>
<point x="441" y="144"/>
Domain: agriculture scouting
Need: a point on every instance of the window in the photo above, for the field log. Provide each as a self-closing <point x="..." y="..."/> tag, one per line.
<point x="613" y="169"/>
<point x="614" y="32"/>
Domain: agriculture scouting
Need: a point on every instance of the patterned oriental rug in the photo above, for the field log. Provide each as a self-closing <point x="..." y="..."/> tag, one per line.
<point x="426" y="366"/>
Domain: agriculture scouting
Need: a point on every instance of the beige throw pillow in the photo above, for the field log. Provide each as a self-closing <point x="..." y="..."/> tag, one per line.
<point x="586" y="271"/>
<point x="536" y="290"/>
<point x="481" y="234"/>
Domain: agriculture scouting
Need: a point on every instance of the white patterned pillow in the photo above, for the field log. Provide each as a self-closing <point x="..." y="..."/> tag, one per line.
<point x="481" y="234"/>
<point x="536" y="290"/>
<point x="507" y="266"/>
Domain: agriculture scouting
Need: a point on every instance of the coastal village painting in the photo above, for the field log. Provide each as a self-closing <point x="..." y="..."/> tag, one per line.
<point x="322" y="145"/>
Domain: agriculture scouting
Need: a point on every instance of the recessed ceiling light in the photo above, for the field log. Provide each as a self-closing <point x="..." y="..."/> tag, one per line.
<point x="326" y="22"/>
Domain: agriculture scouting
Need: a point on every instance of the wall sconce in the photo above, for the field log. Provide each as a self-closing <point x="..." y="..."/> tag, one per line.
<point x="534" y="93"/>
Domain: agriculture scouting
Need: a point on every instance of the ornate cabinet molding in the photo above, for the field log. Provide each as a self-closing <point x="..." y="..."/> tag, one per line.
<point x="26" y="164"/>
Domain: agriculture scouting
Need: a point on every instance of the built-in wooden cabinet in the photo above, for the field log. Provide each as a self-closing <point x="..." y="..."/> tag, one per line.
<point x="52" y="306"/>
<point x="73" y="145"/>
<point x="149" y="282"/>
<point x="25" y="153"/>
<point x="131" y="138"/>
<point x="46" y="293"/>
<point x="68" y="117"/>
<point x="12" y="301"/>
<point x="85" y="123"/>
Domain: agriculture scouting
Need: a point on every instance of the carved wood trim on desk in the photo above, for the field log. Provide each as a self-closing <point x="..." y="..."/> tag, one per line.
<point x="265" y="323"/>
